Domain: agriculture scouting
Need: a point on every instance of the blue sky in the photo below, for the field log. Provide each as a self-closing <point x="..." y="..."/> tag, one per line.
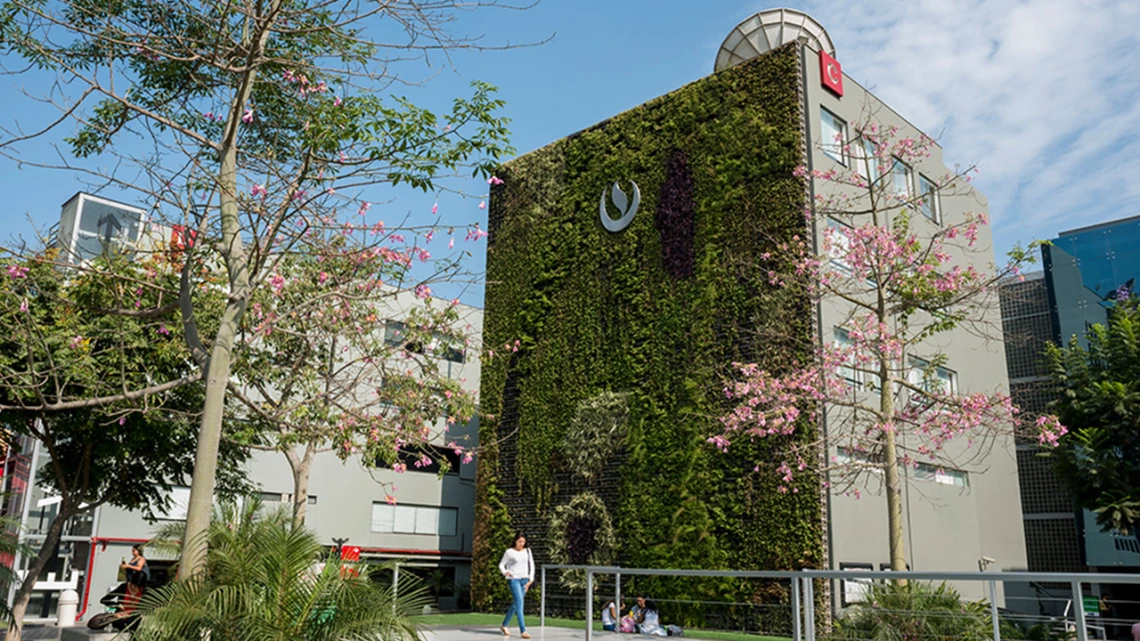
<point x="1040" y="94"/>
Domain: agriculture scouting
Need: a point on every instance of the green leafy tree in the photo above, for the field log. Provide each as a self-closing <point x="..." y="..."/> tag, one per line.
<point x="264" y="123"/>
<point x="1098" y="400"/>
<point x="324" y="369"/>
<point x="264" y="581"/>
<point x="55" y="352"/>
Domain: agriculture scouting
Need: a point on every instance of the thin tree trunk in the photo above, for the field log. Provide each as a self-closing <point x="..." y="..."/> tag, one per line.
<point x="218" y="372"/>
<point x="24" y="595"/>
<point x="301" y="467"/>
<point x="893" y="477"/>
<point x="237" y="266"/>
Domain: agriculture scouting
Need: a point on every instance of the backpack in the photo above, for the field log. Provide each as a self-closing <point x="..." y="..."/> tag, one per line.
<point x="674" y="631"/>
<point x="627" y="625"/>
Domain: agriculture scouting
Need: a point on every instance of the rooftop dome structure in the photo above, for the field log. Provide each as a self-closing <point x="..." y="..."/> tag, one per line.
<point x="770" y="29"/>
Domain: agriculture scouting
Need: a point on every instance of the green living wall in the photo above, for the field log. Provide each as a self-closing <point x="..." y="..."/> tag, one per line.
<point x="656" y="314"/>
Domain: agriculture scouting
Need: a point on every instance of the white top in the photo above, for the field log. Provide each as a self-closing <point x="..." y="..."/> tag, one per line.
<point x="517" y="565"/>
<point x="608" y="614"/>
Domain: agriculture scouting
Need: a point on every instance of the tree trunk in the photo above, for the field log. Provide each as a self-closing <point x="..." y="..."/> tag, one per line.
<point x="301" y="467"/>
<point x="237" y="264"/>
<point x="24" y="594"/>
<point x="894" y="504"/>
<point x="893" y="477"/>
<point x="218" y="372"/>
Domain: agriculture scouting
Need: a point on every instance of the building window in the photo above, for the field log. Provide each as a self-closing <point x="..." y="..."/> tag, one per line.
<point x="941" y="475"/>
<point x="442" y="346"/>
<point x="901" y="180"/>
<point x="396" y="333"/>
<point x="840" y="244"/>
<point x="277" y="497"/>
<point x="940" y="380"/>
<point x="852" y="376"/>
<point x="928" y="193"/>
<point x="834" y="135"/>
<point x="868" y="162"/>
<point x="414" y="519"/>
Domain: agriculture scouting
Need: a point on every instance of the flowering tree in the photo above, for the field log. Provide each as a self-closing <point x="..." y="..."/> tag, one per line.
<point x="327" y="368"/>
<point x="895" y="282"/>
<point x="68" y="338"/>
<point x="262" y="124"/>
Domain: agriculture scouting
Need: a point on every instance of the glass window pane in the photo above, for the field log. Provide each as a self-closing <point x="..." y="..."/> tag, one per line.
<point x="840" y="243"/>
<point x="833" y="134"/>
<point x="901" y="179"/>
<point x="394" y="332"/>
<point x="405" y="519"/>
<point x="383" y="517"/>
<point x="869" y="163"/>
<point x="929" y="202"/>
<point x="427" y="520"/>
<point x="849" y="374"/>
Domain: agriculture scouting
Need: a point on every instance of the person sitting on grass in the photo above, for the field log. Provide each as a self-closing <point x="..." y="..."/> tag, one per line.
<point x="651" y="620"/>
<point x="610" y="616"/>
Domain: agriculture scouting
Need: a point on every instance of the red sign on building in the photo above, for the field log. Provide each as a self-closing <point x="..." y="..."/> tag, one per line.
<point x="830" y="73"/>
<point x="182" y="238"/>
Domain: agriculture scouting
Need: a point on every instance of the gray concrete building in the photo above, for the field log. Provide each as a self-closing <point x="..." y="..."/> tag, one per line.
<point x="428" y="530"/>
<point x="954" y="519"/>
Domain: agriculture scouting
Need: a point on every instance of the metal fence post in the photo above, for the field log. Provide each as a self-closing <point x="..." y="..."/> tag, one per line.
<point x="542" y="600"/>
<point x="1079" y="604"/>
<point x="589" y="603"/>
<point x="617" y="597"/>
<point x="809" y="609"/>
<point x="994" y="611"/>
<point x="796" y="610"/>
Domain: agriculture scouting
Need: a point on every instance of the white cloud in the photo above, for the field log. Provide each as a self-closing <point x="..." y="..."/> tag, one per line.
<point x="1042" y="94"/>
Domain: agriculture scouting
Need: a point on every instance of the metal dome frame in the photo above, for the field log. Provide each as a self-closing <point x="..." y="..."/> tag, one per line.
<point x="767" y="30"/>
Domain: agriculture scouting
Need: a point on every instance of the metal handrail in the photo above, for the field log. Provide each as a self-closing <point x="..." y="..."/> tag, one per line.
<point x="802" y="588"/>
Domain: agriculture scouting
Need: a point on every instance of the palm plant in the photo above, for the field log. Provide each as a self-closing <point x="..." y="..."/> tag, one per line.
<point x="10" y="548"/>
<point x="265" y="581"/>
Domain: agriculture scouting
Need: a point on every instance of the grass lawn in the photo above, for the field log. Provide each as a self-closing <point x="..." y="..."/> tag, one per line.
<point x="476" y="618"/>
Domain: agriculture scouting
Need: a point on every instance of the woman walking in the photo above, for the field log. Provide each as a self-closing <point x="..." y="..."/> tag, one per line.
<point x="518" y="568"/>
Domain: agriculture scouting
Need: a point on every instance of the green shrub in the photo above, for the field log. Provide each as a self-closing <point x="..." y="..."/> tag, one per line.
<point x="265" y="581"/>
<point x="915" y="611"/>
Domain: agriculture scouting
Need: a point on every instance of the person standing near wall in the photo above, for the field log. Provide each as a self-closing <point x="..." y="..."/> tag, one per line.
<point x="517" y="566"/>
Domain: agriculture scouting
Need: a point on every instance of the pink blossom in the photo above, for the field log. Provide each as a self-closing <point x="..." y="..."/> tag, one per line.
<point x="364" y="207"/>
<point x="482" y="204"/>
<point x="322" y="277"/>
<point x="423" y="291"/>
<point x="162" y="331"/>
<point x="435" y="209"/>
<point x="24" y="305"/>
<point x="17" y="271"/>
<point x="494" y="180"/>
<point x="247" y="117"/>
<point x="258" y="190"/>
<point x="76" y="342"/>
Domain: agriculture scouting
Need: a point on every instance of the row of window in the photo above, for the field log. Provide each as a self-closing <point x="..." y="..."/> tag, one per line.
<point x="902" y="179"/>
<point x="386" y="518"/>
<point x="414" y="519"/>
<point x="922" y="472"/>
<point x="942" y="381"/>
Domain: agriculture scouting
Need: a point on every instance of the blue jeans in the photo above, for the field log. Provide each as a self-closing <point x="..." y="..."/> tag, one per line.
<point x="518" y="591"/>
